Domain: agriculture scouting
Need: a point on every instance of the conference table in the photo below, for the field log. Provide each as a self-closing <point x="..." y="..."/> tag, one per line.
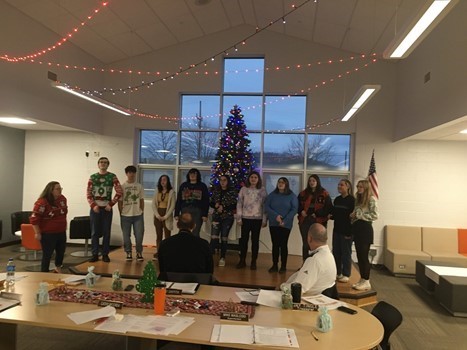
<point x="359" y="331"/>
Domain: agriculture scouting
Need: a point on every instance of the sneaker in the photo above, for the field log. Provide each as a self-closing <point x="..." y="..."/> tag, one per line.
<point x="283" y="269"/>
<point x="94" y="258"/>
<point x="253" y="266"/>
<point x="105" y="258"/>
<point x="139" y="257"/>
<point x="358" y="283"/>
<point x="339" y="276"/>
<point x="365" y="285"/>
<point x="221" y="262"/>
<point x="129" y="257"/>
<point x="273" y="269"/>
<point x="343" y="279"/>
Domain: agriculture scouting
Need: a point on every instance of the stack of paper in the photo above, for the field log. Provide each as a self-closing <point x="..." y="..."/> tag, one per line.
<point x="163" y="325"/>
<point x="270" y="336"/>
<point x="322" y="300"/>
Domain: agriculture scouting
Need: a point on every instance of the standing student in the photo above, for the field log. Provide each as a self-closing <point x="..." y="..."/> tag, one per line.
<point x="314" y="205"/>
<point x="341" y="235"/>
<point x="99" y="196"/>
<point x="281" y="206"/>
<point x="224" y="202"/>
<point x="163" y="205"/>
<point x="49" y="222"/>
<point x="131" y="207"/>
<point x="365" y="212"/>
<point x="251" y="216"/>
<point x="193" y="197"/>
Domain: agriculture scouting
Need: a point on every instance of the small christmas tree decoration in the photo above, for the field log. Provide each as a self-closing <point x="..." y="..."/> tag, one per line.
<point x="234" y="157"/>
<point x="147" y="283"/>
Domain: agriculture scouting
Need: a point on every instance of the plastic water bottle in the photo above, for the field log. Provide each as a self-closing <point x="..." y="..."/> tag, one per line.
<point x="10" y="273"/>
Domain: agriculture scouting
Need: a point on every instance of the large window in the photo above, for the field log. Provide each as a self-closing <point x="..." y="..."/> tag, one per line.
<point x="276" y="124"/>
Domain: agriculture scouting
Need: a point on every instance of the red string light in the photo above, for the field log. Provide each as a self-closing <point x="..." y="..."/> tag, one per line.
<point x="58" y="44"/>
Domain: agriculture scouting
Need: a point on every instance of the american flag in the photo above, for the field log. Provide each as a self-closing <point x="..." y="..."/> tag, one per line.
<point x="372" y="176"/>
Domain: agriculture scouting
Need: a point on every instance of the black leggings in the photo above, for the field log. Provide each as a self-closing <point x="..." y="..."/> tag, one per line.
<point x="363" y="238"/>
<point x="279" y="239"/>
<point x="253" y="226"/>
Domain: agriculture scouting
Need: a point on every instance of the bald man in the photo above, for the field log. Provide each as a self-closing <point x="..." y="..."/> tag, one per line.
<point x="319" y="269"/>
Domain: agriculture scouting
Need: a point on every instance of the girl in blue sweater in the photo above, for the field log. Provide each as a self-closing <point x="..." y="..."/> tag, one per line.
<point x="281" y="206"/>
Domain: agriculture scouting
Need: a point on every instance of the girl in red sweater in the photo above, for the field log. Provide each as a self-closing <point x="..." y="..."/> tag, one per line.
<point x="49" y="221"/>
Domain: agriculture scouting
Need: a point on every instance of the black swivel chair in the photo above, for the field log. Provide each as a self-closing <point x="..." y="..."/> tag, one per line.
<point x="80" y="228"/>
<point x="390" y="317"/>
<point x="331" y="292"/>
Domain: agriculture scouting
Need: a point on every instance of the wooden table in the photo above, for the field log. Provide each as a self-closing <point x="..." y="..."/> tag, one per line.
<point x="360" y="331"/>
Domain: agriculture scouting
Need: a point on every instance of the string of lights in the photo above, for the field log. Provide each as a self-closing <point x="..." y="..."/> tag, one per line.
<point x="323" y="83"/>
<point x="225" y="52"/>
<point x="58" y="44"/>
<point x="134" y="71"/>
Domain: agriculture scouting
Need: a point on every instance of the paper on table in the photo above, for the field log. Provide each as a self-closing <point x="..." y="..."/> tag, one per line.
<point x="271" y="298"/>
<point x="117" y="325"/>
<point x="86" y="316"/>
<point x="17" y="277"/>
<point x="239" y="334"/>
<point x="247" y="296"/>
<point x="322" y="300"/>
<point x="161" y="324"/>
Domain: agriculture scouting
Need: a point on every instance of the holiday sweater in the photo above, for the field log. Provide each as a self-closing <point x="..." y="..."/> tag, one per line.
<point x="228" y="199"/>
<point x="340" y="212"/>
<point x="192" y="195"/>
<point x="314" y="203"/>
<point x="250" y="204"/>
<point x="50" y="218"/>
<point x="99" y="190"/>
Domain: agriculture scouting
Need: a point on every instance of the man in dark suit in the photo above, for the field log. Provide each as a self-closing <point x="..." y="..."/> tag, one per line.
<point x="185" y="252"/>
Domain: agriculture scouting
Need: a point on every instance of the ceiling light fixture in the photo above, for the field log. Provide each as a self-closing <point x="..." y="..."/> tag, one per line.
<point x="429" y="16"/>
<point x="15" y="120"/>
<point x="362" y="96"/>
<point x="463" y="131"/>
<point x="92" y="98"/>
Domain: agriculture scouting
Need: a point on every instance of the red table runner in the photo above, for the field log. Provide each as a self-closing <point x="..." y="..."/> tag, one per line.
<point x="196" y="306"/>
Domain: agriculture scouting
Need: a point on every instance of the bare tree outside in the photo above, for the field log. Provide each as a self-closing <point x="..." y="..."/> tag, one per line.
<point x="319" y="150"/>
<point x="158" y="147"/>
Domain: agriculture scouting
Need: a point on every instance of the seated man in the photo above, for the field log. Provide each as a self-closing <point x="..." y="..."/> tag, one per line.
<point x="318" y="272"/>
<point x="185" y="252"/>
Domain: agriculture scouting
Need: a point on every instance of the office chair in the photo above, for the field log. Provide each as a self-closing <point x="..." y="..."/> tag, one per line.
<point x="80" y="228"/>
<point x="390" y="317"/>
<point x="30" y="243"/>
<point x="331" y="292"/>
<point x="18" y="218"/>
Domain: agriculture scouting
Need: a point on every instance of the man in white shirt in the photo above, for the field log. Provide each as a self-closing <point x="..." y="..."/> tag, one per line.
<point x="131" y="206"/>
<point x="318" y="272"/>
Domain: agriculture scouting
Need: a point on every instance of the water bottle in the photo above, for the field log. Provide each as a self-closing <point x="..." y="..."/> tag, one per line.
<point x="10" y="273"/>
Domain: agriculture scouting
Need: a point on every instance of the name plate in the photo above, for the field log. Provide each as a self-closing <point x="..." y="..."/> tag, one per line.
<point x="305" y="307"/>
<point x="115" y="304"/>
<point x="173" y="291"/>
<point x="234" y="316"/>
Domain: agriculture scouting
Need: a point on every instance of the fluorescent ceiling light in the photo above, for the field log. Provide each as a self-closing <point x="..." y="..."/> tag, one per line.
<point x="14" y="120"/>
<point x="93" y="99"/>
<point x="162" y="151"/>
<point x="430" y="15"/>
<point x="463" y="131"/>
<point x="362" y="96"/>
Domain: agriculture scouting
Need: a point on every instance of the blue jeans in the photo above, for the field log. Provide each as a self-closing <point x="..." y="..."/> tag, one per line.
<point x="342" y="251"/>
<point x="100" y="227"/>
<point x="221" y="228"/>
<point x="138" y="230"/>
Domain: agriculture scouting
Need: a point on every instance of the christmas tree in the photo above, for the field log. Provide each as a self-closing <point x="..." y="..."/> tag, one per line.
<point x="234" y="157"/>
